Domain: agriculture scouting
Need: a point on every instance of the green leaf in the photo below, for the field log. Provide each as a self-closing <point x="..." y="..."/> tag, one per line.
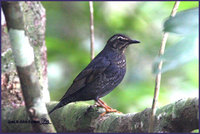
<point x="178" y="54"/>
<point x="185" y="22"/>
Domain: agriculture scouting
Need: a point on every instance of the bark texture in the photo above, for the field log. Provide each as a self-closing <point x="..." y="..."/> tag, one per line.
<point x="11" y="94"/>
<point x="181" y="116"/>
<point x="35" y="27"/>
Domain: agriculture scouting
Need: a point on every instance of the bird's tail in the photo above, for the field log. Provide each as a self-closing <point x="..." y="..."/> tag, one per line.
<point x="59" y="105"/>
<point x="56" y="107"/>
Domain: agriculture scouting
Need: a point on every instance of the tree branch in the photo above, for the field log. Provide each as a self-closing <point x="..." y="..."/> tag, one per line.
<point x="181" y="116"/>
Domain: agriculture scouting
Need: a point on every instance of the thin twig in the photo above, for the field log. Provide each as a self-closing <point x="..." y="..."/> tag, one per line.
<point x="91" y="29"/>
<point x="158" y="76"/>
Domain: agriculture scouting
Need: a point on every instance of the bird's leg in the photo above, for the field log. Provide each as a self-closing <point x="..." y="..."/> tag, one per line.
<point x="98" y="105"/>
<point x="103" y="104"/>
<point x="107" y="108"/>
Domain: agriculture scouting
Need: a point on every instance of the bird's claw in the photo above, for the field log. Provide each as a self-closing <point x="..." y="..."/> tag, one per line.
<point x="109" y="110"/>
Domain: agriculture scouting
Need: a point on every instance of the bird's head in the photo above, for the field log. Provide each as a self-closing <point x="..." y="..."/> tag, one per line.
<point x="120" y="42"/>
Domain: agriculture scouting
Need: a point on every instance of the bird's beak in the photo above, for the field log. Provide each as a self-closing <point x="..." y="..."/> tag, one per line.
<point x="134" y="41"/>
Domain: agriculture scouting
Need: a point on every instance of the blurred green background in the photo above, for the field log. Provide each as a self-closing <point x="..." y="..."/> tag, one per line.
<point x="68" y="49"/>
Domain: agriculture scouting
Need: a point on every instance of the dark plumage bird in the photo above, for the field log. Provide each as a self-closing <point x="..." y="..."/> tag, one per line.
<point x="102" y="74"/>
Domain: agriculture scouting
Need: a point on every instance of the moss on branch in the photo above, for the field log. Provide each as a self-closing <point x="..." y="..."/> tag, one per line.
<point x="181" y="116"/>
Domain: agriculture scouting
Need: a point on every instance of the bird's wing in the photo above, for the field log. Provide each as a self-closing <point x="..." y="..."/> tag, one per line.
<point x="88" y="75"/>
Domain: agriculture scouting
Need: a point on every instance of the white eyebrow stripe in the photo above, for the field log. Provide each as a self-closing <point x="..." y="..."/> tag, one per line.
<point x="122" y="38"/>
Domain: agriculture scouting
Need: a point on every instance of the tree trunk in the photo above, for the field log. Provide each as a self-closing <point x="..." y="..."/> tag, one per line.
<point x="34" y="25"/>
<point x="20" y="30"/>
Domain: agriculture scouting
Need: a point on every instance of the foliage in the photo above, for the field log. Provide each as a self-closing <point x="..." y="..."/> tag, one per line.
<point x="185" y="23"/>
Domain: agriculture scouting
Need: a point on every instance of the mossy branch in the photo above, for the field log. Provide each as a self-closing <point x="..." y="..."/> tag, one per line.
<point x="181" y="116"/>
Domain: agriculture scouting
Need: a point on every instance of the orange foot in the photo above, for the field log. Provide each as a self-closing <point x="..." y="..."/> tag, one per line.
<point x="108" y="109"/>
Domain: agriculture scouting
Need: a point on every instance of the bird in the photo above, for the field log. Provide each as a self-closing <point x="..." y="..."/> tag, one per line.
<point x="101" y="76"/>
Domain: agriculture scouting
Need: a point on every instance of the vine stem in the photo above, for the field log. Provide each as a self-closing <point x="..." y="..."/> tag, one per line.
<point x="158" y="75"/>
<point x="91" y="29"/>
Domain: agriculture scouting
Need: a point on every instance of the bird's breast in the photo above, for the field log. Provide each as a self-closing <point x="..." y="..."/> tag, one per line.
<point x="115" y="73"/>
<point x="112" y="76"/>
<point x="121" y="63"/>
